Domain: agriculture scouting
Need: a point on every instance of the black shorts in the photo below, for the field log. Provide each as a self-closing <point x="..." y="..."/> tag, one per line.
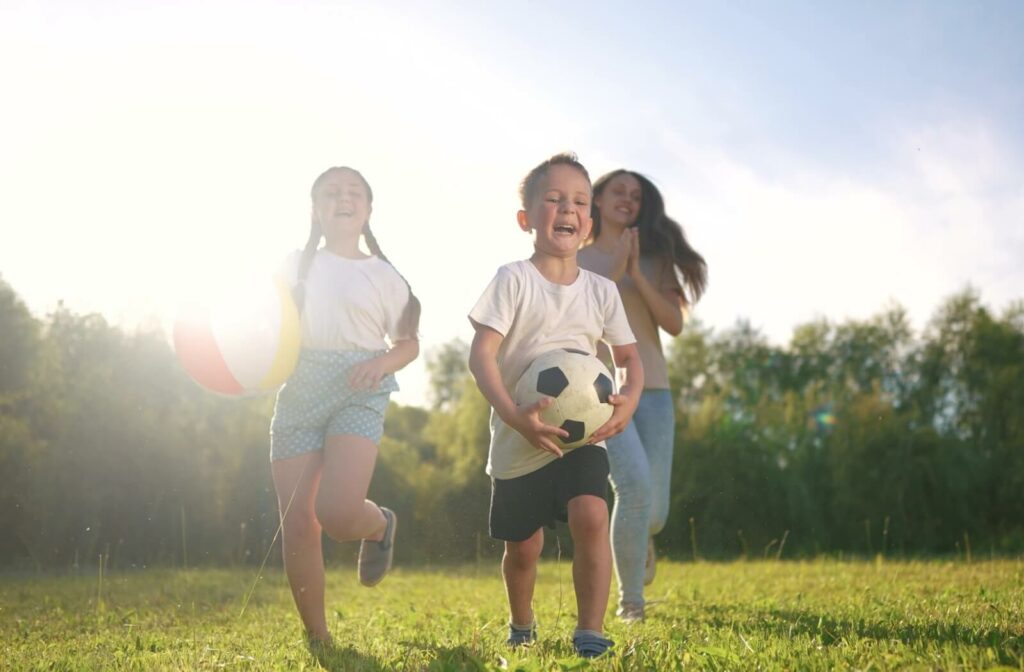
<point x="520" y="506"/>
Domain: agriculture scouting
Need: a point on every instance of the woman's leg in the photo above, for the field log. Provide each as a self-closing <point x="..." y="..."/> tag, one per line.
<point x="655" y="422"/>
<point x="519" y="569"/>
<point x="630" y="478"/>
<point x="295" y="481"/>
<point x="592" y="561"/>
<point x="341" y="504"/>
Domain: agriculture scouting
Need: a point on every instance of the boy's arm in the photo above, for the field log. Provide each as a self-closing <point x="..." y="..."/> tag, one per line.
<point x="626" y="357"/>
<point x="483" y="364"/>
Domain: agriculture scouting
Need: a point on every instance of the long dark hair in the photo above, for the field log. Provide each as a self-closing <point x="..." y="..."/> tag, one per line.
<point x="408" y="324"/>
<point x="660" y="235"/>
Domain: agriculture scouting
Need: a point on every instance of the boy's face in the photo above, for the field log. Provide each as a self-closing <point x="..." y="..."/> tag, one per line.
<point x="559" y="214"/>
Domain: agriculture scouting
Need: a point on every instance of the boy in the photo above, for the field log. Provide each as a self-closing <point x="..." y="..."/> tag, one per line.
<point x="532" y="307"/>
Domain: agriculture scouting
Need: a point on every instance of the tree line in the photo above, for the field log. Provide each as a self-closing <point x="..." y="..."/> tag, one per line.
<point x="861" y="437"/>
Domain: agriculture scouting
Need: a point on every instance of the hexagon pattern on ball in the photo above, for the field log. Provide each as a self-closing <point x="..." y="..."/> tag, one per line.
<point x="580" y="385"/>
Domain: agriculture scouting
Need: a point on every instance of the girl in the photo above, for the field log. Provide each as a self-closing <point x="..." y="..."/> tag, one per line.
<point x="638" y="246"/>
<point x="329" y="416"/>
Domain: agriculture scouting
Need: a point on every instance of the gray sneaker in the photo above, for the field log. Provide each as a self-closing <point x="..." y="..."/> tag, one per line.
<point x="375" y="556"/>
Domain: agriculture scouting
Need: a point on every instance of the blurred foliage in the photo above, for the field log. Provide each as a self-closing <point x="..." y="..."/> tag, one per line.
<point x="861" y="437"/>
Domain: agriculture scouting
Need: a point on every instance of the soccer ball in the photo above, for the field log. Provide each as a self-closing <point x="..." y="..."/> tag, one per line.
<point x="580" y="385"/>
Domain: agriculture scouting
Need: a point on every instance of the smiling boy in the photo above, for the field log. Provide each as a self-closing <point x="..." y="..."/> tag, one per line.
<point x="529" y="308"/>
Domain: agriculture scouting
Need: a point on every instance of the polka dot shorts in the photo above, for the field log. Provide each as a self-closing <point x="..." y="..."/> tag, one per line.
<point x="317" y="402"/>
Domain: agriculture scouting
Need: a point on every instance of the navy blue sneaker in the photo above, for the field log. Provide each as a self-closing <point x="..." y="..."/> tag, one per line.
<point x="590" y="644"/>
<point x="521" y="636"/>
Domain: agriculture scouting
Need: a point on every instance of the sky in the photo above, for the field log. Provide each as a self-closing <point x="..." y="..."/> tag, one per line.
<point x="828" y="159"/>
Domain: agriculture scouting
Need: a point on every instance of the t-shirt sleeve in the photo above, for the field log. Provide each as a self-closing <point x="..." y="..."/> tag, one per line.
<point x="616" y="325"/>
<point x="496" y="307"/>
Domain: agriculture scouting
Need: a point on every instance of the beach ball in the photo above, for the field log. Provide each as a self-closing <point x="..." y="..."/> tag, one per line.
<point x="580" y="385"/>
<point x="245" y="341"/>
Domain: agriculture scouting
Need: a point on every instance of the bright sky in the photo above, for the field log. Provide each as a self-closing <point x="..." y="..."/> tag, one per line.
<point x="826" y="158"/>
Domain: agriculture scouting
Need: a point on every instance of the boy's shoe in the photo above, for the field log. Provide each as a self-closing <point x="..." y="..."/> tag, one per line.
<point x="590" y="644"/>
<point x="375" y="556"/>
<point x="521" y="636"/>
<point x="649" y="565"/>
<point x="630" y="613"/>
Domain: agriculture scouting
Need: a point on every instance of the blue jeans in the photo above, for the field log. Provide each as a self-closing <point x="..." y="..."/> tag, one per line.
<point x="641" y="474"/>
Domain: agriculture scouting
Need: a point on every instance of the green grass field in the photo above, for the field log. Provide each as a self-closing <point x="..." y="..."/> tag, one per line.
<point x="816" y="615"/>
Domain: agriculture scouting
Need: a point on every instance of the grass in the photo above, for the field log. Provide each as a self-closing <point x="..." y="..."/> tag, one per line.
<point x="814" y="615"/>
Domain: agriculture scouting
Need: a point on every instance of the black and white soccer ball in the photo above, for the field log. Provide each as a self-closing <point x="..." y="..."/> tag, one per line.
<point x="580" y="385"/>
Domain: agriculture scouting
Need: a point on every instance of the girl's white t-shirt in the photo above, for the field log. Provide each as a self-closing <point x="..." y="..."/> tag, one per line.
<point x="350" y="304"/>
<point x="536" y="316"/>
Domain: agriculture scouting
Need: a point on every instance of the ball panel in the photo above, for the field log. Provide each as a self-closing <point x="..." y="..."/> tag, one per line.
<point x="289" y="341"/>
<point x="604" y="388"/>
<point x="199" y="355"/>
<point x="552" y="381"/>
<point x="577" y="433"/>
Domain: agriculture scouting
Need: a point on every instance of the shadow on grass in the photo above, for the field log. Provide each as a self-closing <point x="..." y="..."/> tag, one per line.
<point x="787" y="623"/>
<point x="348" y="659"/>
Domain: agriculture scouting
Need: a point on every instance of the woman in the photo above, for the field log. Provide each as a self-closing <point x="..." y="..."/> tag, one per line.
<point x="659" y="276"/>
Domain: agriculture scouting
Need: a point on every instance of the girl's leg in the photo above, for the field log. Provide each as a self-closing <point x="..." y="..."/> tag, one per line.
<point x="519" y="568"/>
<point x="655" y="422"/>
<point x="592" y="559"/>
<point x="295" y="481"/>
<point x="630" y="478"/>
<point x="341" y="504"/>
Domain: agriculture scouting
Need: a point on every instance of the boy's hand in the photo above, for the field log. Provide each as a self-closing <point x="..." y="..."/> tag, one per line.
<point x="528" y="423"/>
<point x="366" y="375"/>
<point x="624" y="405"/>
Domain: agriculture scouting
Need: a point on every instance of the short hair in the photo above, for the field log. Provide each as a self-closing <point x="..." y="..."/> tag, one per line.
<point x="530" y="185"/>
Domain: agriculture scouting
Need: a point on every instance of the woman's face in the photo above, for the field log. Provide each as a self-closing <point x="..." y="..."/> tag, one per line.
<point x="342" y="204"/>
<point x="620" y="200"/>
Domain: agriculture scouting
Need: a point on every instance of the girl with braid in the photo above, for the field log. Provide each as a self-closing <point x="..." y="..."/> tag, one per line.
<point x="359" y="326"/>
<point x="659" y="275"/>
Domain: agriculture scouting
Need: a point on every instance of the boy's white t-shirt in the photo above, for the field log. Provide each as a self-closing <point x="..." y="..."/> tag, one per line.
<point x="350" y="304"/>
<point x="536" y="316"/>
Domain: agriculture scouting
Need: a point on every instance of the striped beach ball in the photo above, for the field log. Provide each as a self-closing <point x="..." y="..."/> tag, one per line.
<point x="245" y="342"/>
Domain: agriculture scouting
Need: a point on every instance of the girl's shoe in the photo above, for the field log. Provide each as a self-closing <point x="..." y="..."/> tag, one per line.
<point x="521" y="636"/>
<point x="375" y="556"/>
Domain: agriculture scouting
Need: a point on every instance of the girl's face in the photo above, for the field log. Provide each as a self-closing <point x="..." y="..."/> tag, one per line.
<point x="559" y="215"/>
<point x="341" y="204"/>
<point x="620" y="200"/>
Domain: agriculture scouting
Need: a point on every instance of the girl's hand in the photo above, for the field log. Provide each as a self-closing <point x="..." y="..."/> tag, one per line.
<point x="633" y="261"/>
<point x="624" y="407"/>
<point x="620" y="255"/>
<point x="366" y="375"/>
<point x="528" y="423"/>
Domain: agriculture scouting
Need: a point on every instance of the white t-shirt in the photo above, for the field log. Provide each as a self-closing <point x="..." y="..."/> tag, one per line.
<point x="350" y="304"/>
<point x="536" y="316"/>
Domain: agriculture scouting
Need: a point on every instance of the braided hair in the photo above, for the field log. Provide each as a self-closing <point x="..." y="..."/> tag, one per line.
<point x="408" y="324"/>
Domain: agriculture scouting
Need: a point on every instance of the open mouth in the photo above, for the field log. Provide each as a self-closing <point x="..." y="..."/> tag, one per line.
<point x="565" y="229"/>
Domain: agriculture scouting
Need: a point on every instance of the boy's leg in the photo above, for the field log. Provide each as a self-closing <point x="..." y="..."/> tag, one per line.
<point x="592" y="559"/>
<point x="295" y="481"/>
<point x="519" y="568"/>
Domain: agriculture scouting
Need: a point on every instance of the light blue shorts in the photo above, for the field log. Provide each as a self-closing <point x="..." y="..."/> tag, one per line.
<point x="317" y="402"/>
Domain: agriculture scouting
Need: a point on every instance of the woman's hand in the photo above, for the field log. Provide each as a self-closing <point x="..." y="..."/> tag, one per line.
<point x="633" y="261"/>
<point x="527" y="422"/>
<point x="621" y="252"/>
<point x="366" y="375"/>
